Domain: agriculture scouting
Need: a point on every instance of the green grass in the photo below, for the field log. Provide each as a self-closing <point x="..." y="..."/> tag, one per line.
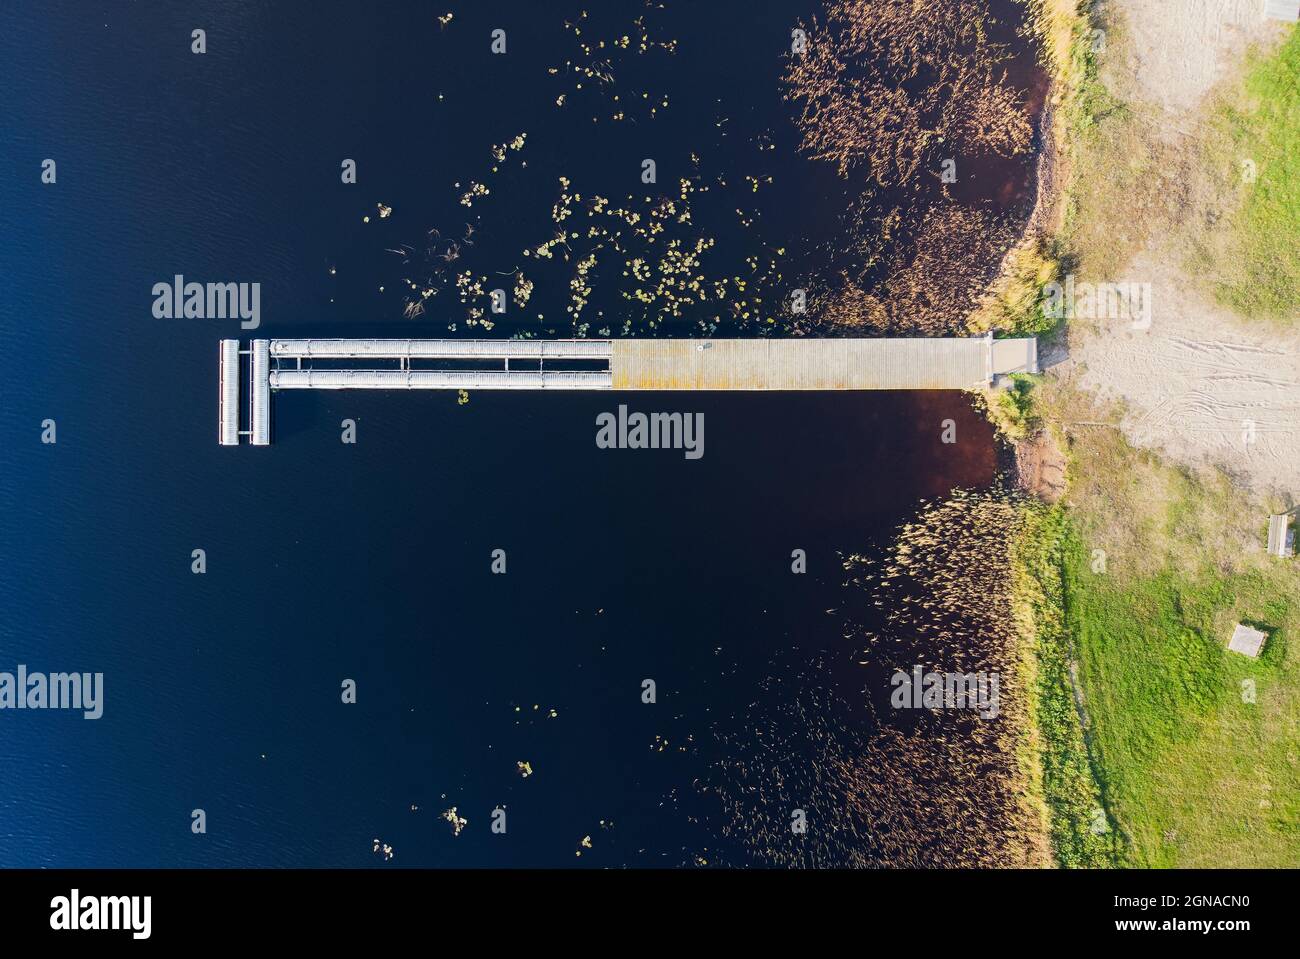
<point x="1264" y="129"/>
<point x="1155" y="564"/>
<point x="1188" y="773"/>
<point x="1015" y="405"/>
<point x="1079" y="829"/>
<point x="1194" y="775"/>
<point x="1136" y="579"/>
<point x="1011" y="410"/>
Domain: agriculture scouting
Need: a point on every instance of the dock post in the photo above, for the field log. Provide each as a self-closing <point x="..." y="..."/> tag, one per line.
<point x="228" y="394"/>
<point x="260" y="394"/>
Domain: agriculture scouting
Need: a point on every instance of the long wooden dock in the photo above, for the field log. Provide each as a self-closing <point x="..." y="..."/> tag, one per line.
<point x="929" y="363"/>
<point x="816" y="364"/>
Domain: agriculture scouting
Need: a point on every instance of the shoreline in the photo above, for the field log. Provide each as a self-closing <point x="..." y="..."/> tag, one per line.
<point x="1060" y="766"/>
<point x="1129" y="584"/>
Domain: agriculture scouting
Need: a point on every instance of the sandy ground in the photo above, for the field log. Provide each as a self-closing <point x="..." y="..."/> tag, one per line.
<point x="1176" y="50"/>
<point x="1199" y="384"/>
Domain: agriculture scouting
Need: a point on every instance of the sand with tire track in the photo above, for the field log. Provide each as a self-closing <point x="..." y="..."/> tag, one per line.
<point x="1200" y="385"/>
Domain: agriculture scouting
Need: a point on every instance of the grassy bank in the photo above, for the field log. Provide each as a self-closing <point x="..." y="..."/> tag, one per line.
<point x="1157" y="746"/>
<point x="1069" y="43"/>
<point x="1196" y="774"/>
<point x="1196" y="747"/>
<point x="1259" y="147"/>
<point x="1078" y="824"/>
<point x="1224" y="191"/>
<point x="1061" y="770"/>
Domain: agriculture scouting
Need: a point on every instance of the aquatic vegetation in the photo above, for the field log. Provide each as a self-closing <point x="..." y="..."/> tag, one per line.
<point x="457" y="821"/>
<point x="475" y="190"/>
<point x="893" y="88"/>
<point x="898" y="85"/>
<point x="655" y="243"/>
<point x="903" y="88"/>
<point x="592" y="65"/>
<point x="1015" y="300"/>
<point x="902" y="788"/>
<point x="954" y="256"/>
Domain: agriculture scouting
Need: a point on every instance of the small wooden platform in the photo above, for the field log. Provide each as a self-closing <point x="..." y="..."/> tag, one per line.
<point x="1247" y="641"/>
<point x="1280" y="539"/>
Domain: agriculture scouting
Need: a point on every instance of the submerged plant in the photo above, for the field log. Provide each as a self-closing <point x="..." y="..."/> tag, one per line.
<point x="898" y="787"/>
<point x="895" y="84"/>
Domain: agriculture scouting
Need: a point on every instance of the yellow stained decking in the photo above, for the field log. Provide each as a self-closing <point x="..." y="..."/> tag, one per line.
<point x="919" y="363"/>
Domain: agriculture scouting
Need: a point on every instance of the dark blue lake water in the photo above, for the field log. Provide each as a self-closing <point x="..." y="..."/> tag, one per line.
<point x="371" y="561"/>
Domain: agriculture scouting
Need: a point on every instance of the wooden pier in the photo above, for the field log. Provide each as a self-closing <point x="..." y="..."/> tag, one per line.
<point x="918" y="363"/>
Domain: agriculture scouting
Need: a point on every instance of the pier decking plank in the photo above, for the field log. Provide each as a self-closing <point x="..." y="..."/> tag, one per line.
<point x="919" y="363"/>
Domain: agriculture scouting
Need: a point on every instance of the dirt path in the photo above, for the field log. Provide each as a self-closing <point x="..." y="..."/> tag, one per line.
<point x="1199" y="384"/>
